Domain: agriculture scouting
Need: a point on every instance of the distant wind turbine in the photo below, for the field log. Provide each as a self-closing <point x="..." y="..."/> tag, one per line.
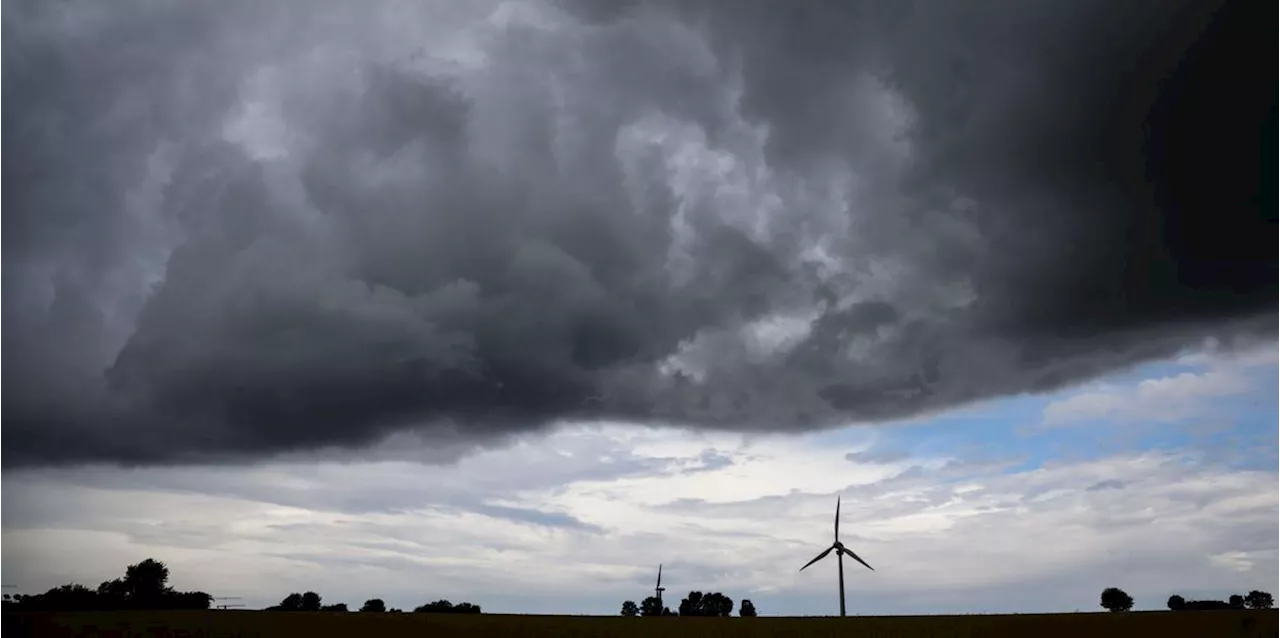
<point x="840" y="550"/>
<point x="658" y="589"/>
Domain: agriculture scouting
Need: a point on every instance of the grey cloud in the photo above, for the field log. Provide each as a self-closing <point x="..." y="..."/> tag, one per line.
<point x="1109" y="484"/>
<point x="709" y="461"/>
<point x="250" y="232"/>
<point x="536" y="517"/>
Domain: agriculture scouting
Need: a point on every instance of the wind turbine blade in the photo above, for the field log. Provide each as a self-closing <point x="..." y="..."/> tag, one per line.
<point x="818" y="557"/>
<point x="837" y="517"/>
<point x="857" y="558"/>
<point x="659" y="575"/>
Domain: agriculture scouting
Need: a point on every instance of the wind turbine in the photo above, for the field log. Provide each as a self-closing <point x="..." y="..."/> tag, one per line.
<point x="840" y="550"/>
<point x="658" y="589"/>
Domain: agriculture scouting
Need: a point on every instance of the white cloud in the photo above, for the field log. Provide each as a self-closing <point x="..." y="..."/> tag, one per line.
<point x="939" y="535"/>
<point x="1167" y="399"/>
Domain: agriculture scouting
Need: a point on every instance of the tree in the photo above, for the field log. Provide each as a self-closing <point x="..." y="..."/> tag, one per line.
<point x="651" y="606"/>
<point x="334" y="607"/>
<point x="310" y="601"/>
<point x="1177" y="603"/>
<point x="438" y="607"/>
<point x="692" y="604"/>
<point x="629" y="609"/>
<point x="143" y="587"/>
<point x="1115" y="599"/>
<point x="712" y="604"/>
<point x="747" y="609"/>
<point x="446" y="607"/>
<point x="1259" y="600"/>
<point x="146" y="580"/>
<point x="374" y="605"/>
<point x="114" y="594"/>
<point x="1236" y="601"/>
<point x="190" y="600"/>
<point x="1206" y="605"/>
<point x="292" y="602"/>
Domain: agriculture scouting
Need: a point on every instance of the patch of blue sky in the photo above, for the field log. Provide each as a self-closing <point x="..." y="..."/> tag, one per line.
<point x="1010" y="428"/>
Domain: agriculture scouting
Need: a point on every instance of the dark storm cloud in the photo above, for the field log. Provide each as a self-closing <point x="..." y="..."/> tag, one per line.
<point x="237" y="229"/>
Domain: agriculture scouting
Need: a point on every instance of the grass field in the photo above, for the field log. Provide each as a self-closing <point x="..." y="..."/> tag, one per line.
<point x="246" y="624"/>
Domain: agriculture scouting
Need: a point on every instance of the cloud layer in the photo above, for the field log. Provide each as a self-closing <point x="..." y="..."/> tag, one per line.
<point x="945" y="534"/>
<point x="276" y="228"/>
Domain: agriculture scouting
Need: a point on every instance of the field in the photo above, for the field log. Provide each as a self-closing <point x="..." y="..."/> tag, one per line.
<point x="246" y="624"/>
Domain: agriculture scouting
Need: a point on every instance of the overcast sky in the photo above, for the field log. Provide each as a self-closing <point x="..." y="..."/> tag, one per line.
<point x="511" y="301"/>
<point x="1159" y="481"/>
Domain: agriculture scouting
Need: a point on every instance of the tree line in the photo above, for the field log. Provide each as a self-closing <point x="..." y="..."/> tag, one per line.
<point x="310" y="601"/>
<point x="145" y="587"/>
<point x="695" y="604"/>
<point x="1116" y="599"/>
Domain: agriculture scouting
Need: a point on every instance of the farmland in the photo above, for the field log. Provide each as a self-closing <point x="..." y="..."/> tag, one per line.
<point x="253" y="624"/>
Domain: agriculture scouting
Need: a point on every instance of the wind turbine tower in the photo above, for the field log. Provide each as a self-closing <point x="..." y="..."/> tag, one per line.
<point x="841" y="551"/>
<point x="658" y="589"/>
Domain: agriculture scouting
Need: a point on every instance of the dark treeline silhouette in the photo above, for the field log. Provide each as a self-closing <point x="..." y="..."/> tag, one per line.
<point x="709" y="604"/>
<point x="144" y="586"/>
<point x="1115" y="599"/>
<point x="652" y="606"/>
<point x="1253" y="600"/>
<point x="310" y="601"/>
<point x="446" y="607"/>
<point x="695" y="604"/>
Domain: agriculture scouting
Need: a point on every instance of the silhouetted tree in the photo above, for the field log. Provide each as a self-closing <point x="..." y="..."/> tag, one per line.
<point x="1206" y="605"/>
<point x="292" y="602"/>
<point x="334" y="607"/>
<point x="146" y="582"/>
<point x="191" y="600"/>
<point x="747" y="609"/>
<point x="1115" y="599"/>
<point x="629" y="609"/>
<point x="310" y="601"/>
<point x="143" y="587"/>
<point x="446" y="607"/>
<point x="1259" y="600"/>
<point x="651" y="606"/>
<point x="437" y="607"/>
<point x="374" y="605"/>
<point x="691" y="604"/>
<point x="114" y="594"/>
<point x="1236" y="601"/>
<point x="69" y="597"/>
<point x="712" y="604"/>
<point x="1177" y="603"/>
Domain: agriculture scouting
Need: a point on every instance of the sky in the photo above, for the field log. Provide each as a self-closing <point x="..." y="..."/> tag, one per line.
<point x="318" y="295"/>
<point x="1159" y="480"/>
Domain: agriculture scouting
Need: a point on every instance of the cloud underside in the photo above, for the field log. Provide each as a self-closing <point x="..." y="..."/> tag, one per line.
<point x="273" y="228"/>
